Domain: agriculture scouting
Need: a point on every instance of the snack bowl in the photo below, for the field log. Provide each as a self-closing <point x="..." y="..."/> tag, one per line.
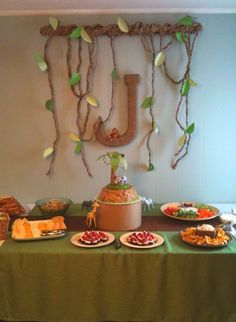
<point x="227" y="218"/>
<point x="51" y="207"/>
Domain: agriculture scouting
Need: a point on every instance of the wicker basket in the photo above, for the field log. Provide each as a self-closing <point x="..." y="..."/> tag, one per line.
<point x="4" y="224"/>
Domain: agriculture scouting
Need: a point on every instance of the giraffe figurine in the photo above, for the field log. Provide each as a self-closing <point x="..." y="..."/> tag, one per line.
<point x="91" y="216"/>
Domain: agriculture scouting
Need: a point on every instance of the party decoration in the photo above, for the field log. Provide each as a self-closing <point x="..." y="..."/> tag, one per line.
<point x="49" y="105"/>
<point x="54" y="23"/>
<point x="41" y="62"/>
<point x="155" y="39"/>
<point x="122" y="24"/>
<point x="47" y="153"/>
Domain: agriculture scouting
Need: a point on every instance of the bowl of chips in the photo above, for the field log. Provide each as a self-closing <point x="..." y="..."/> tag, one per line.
<point x="51" y="207"/>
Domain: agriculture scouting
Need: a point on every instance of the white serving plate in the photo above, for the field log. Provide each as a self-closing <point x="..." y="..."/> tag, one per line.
<point x="173" y="204"/>
<point x="35" y="223"/>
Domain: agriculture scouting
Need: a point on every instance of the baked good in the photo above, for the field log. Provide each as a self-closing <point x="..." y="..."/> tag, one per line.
<point x="118" y="194"/>
<point x="93" y="237"/>
<point x="141" y="238"/>
<point x="206" y="230"/>
<point x="119" y="204"/>
<point x="11" y="206"/>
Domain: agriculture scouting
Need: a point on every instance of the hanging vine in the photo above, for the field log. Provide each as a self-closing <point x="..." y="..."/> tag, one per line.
<point x="185" y="32"/>
<point x="45" y="66"/>
<point x="74" y="79"/>
<point x="185" y="84"/>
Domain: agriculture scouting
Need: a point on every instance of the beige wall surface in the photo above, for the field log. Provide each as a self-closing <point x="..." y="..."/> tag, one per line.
<point x="207" y="174"/>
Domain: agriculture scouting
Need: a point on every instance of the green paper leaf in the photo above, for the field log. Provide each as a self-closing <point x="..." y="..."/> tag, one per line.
<point x="114" y="74"/>
<point x="41" y="62"/>
<point x="190" y="128"/>
<point x="75" y="79"/>
<point x="91" y="100"/>
<point x="182" y="140"/>
<point x="186" y="87"/>
<point x="101" y="157"/>
<point x="147" y="102"/>
<point x="49" y="105"/>
<point x="181" y="37"/>
<point x="193" y="83"/>
<point x="78" y="147"/>
<point x="159" y="60"/>
<point x="186" y="21"/>
<point x="122" y="24"/>
<point x="124" y="163"/>
<point x="150" y="167"/>
<point x="74" y="137"/>
<point x="47" y="153"/>
<point x="54" y="23"/>
<point x="76" y="33"/>
<point x="85" y="36"/>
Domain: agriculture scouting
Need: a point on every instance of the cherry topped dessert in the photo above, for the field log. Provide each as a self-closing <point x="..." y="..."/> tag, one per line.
<point x="93" y="237"/>
<point x="142" y="238"/>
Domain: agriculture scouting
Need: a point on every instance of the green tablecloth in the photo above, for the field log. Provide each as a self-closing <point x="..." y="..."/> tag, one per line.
<point x="56" y="281"/>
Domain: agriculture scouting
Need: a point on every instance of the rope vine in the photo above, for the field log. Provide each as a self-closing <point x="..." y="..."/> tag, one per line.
<point x="54" y="111"/>
<point x="189" y="46"/>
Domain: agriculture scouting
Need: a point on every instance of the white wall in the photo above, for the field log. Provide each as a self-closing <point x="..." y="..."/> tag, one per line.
<point x="207" y="174"/>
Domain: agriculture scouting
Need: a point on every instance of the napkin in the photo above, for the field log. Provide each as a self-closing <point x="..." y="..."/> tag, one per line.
<point x="231" y="229"/>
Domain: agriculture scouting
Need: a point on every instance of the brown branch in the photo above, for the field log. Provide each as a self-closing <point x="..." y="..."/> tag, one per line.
<point x="176" y="82"/>
<point x="68" y="59"/>
<point x="162" y="48"/>
<point x="175" y="163"/>
<point x="54" y="111"/>
<point x="151" y="104"/>
<point x="178" y="108"/>
<point x="113" y="86"/>
<point x="189" y="49"/>
<point x="79" y="96"/>
<point x="88" y="82"/>
<point x="170" y="42"/>
<point x="78" y="117"/>
<point x="113" y="30"/>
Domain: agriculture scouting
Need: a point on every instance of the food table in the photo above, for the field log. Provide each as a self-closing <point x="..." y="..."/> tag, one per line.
<point x="53" y="280"/>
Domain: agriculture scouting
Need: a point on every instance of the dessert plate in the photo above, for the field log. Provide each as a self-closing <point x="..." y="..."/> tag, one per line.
<point x="166" y="209"/>
<point x="159" y="242"/>
<point x="75" y="241"/>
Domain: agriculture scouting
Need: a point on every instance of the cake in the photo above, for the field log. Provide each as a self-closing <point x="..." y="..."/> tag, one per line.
<point x="206" y="230"/>
<point x="119" y="203"/>
<point x="116" y="194"/>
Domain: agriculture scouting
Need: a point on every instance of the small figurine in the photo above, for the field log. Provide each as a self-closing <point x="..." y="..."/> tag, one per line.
<point x="87" y="204"/>
<point x="147" y="203"/>
<point x="120" y="180"/>
<point x="91" y="216"/>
